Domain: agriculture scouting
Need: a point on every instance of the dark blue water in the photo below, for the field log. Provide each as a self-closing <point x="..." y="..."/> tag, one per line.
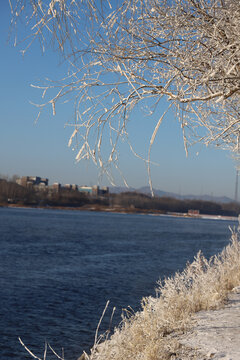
<point x="59" y="268"/>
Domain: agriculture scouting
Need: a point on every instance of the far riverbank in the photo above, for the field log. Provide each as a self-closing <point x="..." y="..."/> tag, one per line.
<point x="122" y="210"/>
<point x="12" y="194"/>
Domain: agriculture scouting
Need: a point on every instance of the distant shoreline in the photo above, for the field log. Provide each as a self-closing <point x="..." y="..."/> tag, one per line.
<point x="122" y="210"/>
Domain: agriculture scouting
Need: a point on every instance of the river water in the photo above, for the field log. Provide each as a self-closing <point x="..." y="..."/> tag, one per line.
<point x="59" y="268"/>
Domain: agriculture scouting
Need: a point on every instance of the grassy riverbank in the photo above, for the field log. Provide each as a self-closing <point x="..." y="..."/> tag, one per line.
<point x="152" y="334"/>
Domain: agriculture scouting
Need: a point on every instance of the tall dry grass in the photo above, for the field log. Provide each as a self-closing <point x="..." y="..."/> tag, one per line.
<point x="152" y="333"/>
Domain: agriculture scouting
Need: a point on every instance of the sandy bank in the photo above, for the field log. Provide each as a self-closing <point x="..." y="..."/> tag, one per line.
<point x="216" y="334"/>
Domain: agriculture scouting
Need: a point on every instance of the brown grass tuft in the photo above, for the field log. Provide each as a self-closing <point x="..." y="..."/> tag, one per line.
<point x="151" y="334"/>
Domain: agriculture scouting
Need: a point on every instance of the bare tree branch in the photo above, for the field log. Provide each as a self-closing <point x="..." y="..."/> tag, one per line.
<point x="124" y="52"/>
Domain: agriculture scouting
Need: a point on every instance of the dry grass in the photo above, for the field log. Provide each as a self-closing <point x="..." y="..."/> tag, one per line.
<point x="152" y="333"/>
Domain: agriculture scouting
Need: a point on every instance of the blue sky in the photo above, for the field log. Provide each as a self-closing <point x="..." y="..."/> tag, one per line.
<point x="29" y="148"/>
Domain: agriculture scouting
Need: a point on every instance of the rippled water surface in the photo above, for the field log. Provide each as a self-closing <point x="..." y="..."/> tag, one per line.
<point x="58" y="269"/>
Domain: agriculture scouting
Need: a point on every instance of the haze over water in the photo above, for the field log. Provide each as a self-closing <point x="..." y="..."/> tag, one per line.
<point x="59" y="268"/>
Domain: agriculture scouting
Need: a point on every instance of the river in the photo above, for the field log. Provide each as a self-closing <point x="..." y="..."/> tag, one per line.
<point x="59" y="268"/>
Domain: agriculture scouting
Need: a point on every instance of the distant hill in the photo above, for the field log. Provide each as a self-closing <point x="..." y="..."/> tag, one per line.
<point x="161" y="193"/>
<point x="120" y="189"/>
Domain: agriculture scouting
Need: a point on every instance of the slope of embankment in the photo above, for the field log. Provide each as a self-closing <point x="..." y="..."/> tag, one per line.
<point x="157" y="332"/>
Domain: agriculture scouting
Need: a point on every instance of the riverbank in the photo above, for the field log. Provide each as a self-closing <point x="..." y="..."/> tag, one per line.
<point x="122" y="210"/>
<point x="161" y="330"/>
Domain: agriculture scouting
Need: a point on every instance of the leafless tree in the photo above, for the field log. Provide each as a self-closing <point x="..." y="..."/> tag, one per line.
<point x="124" y="52"/>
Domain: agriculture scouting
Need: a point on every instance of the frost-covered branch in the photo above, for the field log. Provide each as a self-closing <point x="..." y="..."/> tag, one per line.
<point x="124" y="52"/>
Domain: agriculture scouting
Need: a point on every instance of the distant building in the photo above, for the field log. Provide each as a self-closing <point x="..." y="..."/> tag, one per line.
<point x="67" y="187"/>
<point x="104" y="190"/>
<point x="42" y="184"/>
<point x="55" y="187"/>
<point x="85" y="189"/>
<point x="193" y="212"/>
<point x="32" y="181"/>
<point x="94" y="190"/>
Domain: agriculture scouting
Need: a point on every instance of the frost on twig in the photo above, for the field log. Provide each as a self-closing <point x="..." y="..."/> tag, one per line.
<point x="47" y="346"/>
<point x="123" y="53"/>
<point x="99" y="339"/>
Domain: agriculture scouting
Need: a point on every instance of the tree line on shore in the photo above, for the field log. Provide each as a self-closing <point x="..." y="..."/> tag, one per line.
<point x="12" y="193"/>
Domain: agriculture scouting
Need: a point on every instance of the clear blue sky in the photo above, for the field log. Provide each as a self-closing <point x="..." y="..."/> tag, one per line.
<point x="28" y="148"/>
